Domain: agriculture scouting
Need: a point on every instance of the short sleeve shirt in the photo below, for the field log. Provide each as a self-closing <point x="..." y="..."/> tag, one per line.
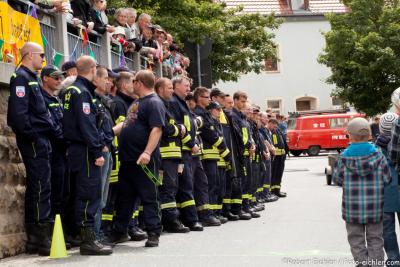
<point x="143" y="115"/>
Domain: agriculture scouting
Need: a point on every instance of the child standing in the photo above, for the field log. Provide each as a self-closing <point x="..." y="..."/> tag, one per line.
<point x="363" y="170"/>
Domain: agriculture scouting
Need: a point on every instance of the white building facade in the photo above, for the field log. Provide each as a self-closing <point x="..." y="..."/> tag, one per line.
<point x="298" y="81"/>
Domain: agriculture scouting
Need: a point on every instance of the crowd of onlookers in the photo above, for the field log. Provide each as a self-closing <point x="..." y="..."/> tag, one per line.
<point x="128" y="31"/>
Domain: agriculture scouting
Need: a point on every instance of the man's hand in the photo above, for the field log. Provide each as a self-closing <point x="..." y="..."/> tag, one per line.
<point x="183" y="130"/>
<point x="99" y="161"/>
<point x="195" y="149"/>
<point x="144" y="158"/>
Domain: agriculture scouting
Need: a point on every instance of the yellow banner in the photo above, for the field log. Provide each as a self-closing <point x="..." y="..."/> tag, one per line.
<point x="16" y="29"/>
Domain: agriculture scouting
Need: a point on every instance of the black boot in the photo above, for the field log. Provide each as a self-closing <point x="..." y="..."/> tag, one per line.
<point x="39" y="238"/>
<point x="176" y="227"/>
<point x="137" y="234"/>
<point x="114" y="238"/>
<point x="244" y="215"/>
<point x="210" y="221"/>
<point x="90" y="245"/>
<point x="222" y="219"/>
<point x="230" y="216"/>
<point x="152" y="240"/>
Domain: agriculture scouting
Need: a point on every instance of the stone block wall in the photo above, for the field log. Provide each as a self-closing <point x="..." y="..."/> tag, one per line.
<point x="12" y="187"/>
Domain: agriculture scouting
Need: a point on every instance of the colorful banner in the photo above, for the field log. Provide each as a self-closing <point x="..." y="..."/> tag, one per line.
<point x="16" y="29"/>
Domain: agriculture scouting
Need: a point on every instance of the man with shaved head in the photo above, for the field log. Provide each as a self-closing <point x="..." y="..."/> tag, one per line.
<point x="85" y="154"/>
<point x="31" y="122"/>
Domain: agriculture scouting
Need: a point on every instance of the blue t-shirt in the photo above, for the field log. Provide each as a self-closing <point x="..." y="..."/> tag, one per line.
<point x="143" y="115"/>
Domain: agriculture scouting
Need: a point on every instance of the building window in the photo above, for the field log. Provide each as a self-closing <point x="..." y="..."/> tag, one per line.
<point x="275" y="105"/>
<point x="306" y="103"/>
<point x="337" y="101"/>
<point x="272" y="64"/>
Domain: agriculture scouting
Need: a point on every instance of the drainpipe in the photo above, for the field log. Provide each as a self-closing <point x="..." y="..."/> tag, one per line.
<point x="198" y="64"/>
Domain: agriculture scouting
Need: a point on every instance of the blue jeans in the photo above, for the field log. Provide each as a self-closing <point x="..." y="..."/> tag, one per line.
<point x="105" y="175"/>
<point x="390" y="238"/>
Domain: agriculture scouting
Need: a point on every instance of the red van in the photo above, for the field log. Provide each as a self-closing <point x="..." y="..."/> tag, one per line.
<point x="314" y="131"/>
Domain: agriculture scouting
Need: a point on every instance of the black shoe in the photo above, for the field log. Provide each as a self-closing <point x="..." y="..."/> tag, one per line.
<point x="116" y="238"/>
<point x="196" y="227"/>
<point x="137" y="234"/>
<point x="176" y="227"/>
<point x="281" y="194"/>
<point x="152" y="240"/>
<point x="210" y="221"/>
<point x="271" y="198"/>
<point x="222" y="219"/>
<point x="90" y="245"/>
<point x="244" y="215"/>
<point x="259" y="207"/>
<point x="255" y="215"/>
<point x="231" y="217"/>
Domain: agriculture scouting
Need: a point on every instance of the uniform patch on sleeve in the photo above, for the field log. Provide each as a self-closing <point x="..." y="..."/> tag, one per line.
<point x="20" y="91"/>
<point x="86" y="108"/>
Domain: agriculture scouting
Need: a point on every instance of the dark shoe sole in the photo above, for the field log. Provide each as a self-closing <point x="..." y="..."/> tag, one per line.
<point x="138" y="238"/>
<point x="95" y="253"/>
<point x="150" y="245"/>
<point x="197" y="229"/>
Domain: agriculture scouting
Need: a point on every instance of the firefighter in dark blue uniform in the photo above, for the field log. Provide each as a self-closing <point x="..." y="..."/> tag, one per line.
<point x="183" y="115"/>
<point x="242" y="145"/>
<point x="171" y="165"/>
<point x="84" y="154"/>
<point x="223" y="163"/>
<point x="278" y="163"/>
<point x="51" y="78"/>
<point x="225" y="167"/>
<point x="139" y="156"/>
<point x="32" y="124"/>
<point x="213" y="143"/>
<point x="266" y="135"/>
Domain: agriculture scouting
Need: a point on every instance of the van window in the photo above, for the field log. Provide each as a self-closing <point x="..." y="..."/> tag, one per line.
<point x="338" y="122"/>
<point x="291" y="124"/>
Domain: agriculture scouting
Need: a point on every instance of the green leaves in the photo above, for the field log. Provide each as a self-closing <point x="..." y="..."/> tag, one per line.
<point x="241" y="42"/>
<point x="363" y="52"/>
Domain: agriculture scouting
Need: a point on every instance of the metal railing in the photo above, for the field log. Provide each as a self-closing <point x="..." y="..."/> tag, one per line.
<point x="76" y="49"/>
<point x="59" y="40"/>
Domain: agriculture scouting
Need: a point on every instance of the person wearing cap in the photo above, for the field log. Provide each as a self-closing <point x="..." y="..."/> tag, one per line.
<point x="224" y="168"/>
<point x="278" y="162"/>
<point x="363" y="170"/>
<point x="31" y="121"/>
<point x="213" y="147"/>
<point x="391" y="194"/>
<point x="85" y="154"/>
<point x="52" y="78"/>
<point x="70" y="73"/>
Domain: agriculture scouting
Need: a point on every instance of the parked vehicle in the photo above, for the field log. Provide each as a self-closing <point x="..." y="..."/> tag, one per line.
<point x="315" y="130"/>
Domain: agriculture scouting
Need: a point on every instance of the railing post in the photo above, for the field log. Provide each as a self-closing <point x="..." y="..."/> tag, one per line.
<point x="136" y="61"/>
<point x="61" y="44"/>
<point x="105" y="50"/>
<point x="159" y="73"/>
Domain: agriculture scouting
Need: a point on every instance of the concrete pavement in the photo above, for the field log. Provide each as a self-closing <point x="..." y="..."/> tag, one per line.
<point x="304" y="229"/>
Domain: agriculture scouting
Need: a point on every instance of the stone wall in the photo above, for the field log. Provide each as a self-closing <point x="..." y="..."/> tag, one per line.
<point x="12" y="187"/>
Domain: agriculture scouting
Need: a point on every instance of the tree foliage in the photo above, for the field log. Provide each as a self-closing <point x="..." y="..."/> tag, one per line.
<point x="363" y="52"/>
<point x="241" y="42"/>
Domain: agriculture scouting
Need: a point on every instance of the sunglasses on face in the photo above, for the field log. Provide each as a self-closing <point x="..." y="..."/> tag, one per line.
<point x="58" y="78"/>
<point x="42" y="55"/>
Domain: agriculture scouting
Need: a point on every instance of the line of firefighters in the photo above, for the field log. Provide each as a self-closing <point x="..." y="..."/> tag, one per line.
<point x="220" y="157"/>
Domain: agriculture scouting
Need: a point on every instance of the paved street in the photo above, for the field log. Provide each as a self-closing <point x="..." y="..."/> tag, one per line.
<point x="305" y="229"/>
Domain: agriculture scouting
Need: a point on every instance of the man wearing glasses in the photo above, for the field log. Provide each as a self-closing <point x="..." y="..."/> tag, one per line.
<point x="85" y="154"/>
<point x="31" y="122"/>
<point x="51" y="82"/>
